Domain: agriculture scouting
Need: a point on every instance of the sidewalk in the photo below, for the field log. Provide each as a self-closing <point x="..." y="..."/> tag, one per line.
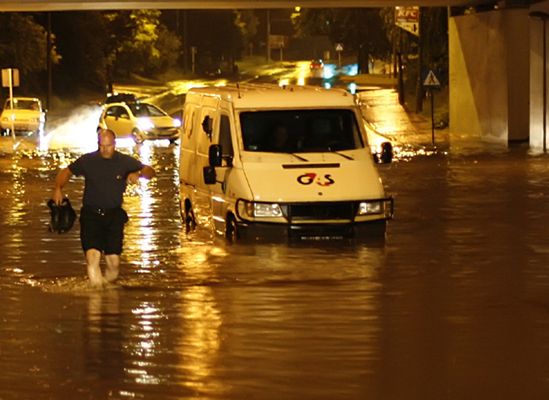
<point x="383" y="111"/>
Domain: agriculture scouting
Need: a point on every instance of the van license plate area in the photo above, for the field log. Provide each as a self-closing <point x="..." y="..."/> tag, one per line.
<point x="321" y="232"/>
<point x="303" y="212"/>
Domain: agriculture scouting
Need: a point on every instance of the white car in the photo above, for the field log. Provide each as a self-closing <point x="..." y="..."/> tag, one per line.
<point x="25" y="116"/>
<point x="140" y="121"/>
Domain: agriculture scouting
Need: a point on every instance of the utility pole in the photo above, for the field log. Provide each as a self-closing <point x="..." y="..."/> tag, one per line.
<point x="419" y="86"/>
<point x="268" y="41"/>
<point x="186" y="41"/>
<point x="49" y="63"/>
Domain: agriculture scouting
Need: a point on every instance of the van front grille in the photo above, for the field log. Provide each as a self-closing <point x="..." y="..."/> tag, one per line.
<point x="343" y="211"/>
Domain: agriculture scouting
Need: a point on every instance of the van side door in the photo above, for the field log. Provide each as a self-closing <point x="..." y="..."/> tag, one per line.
<point x="207" y="117"/>
<point x="220" y="200"/>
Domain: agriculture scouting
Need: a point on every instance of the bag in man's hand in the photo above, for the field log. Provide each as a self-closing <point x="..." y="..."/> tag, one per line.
<point x="62" y="216"/>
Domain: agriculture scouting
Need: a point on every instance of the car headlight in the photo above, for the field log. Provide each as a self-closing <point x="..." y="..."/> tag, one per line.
<point x="144" y="124"/>
<point x="255" y="210"/>
<point x="176" y="123"/>
<point x="370" y="207"/>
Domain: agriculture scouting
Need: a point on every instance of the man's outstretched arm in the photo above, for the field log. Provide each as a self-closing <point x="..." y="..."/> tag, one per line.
<point x="61" y="180"/>
<point x="146" y="172"/>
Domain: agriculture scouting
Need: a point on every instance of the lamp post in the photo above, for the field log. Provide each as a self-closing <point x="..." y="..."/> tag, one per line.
<point x="268" y="41"/>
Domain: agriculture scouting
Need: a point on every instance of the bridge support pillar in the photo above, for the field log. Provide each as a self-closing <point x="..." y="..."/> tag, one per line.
<point x="490" y="74"/>
<point x="539" y="57"/>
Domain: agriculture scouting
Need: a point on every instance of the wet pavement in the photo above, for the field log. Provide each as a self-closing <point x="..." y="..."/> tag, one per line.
<point x="452" y="305"/>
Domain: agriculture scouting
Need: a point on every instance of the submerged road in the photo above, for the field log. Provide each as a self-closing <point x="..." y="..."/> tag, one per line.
<point x="452" y="305"/>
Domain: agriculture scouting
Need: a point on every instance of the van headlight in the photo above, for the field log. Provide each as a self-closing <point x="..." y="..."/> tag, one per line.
<point x="255" y="210"/>
<point x="370" y="207"/>
<point x="384" y="207"/>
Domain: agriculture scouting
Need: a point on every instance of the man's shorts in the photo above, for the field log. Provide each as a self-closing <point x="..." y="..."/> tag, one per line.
<point x="102" y="229"/>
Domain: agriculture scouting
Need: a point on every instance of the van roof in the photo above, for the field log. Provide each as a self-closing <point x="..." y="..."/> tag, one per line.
<point x="250" y="96"/>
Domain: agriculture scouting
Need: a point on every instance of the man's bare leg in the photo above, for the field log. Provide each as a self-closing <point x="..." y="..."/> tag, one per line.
<point x="113" y="267"/>
<point x="93" y="259"/>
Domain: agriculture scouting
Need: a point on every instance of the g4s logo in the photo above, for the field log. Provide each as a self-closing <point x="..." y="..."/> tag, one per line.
<point x="310" y="177"/>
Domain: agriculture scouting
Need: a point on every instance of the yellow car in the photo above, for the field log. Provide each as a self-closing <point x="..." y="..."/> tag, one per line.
<point x="25" y="116"/>
<point x="140" y="121"/>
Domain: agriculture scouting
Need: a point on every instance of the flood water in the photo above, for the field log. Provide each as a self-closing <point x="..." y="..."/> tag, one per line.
<point x="453" y="305"/>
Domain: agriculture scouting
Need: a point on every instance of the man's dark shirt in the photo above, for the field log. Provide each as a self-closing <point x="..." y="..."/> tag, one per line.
<point x="105" y="178"/>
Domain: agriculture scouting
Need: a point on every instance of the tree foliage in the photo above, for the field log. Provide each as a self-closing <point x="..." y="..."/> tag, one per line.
<point x="23" y="45"/>
<point x="247" y="22"/>
<point x="360" y="31"/>
<point x="81" y="40"/>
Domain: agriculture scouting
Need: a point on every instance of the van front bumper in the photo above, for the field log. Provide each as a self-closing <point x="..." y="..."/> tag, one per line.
<point x="315" y="220"/>
<point x="311" y="232"/>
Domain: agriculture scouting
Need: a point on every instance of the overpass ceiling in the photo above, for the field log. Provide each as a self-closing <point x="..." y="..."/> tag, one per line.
<point x="69" y="5"/>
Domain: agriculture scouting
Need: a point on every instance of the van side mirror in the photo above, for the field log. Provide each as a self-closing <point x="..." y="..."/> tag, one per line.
<point x="215" y="155"/>
<point x="207" y="125"/>
<point x="210" y="177"/>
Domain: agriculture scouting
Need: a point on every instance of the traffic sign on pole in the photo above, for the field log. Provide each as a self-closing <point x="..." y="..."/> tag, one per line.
<point x="407" y="18"/>
<point x="431" y="80"/>
<point x="10" y="76"/>
<point x="339" y="49"/>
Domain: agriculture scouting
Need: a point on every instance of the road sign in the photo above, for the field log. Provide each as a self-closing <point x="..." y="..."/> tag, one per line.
<point x="431" y="80"/>
<point x="10" y="77"/>
<point x="339" y="47"/>
<point x="407" y="18"/>
<point x="278" y="41"/>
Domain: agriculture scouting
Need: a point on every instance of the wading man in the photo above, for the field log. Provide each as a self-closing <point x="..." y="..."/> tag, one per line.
<point x="106" y="173"/>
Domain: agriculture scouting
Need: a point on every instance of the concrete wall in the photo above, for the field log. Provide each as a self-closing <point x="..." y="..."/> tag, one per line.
<point x="537" y="68"/>
<point x="489" y="75"/>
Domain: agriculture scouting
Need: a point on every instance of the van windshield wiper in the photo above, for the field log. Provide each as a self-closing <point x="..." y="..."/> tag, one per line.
<point x="342" y="155"/>
<point x="298" y="157"/>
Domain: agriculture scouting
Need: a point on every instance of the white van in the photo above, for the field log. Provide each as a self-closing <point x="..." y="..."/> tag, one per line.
<point x="262" y="161"/>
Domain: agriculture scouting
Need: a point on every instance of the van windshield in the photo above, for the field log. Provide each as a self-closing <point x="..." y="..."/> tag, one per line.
<point x="300" y="131"/>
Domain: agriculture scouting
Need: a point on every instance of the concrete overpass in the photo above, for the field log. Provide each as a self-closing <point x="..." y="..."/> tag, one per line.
<point x="498" y="57"/>
<point x="70" y="5"/>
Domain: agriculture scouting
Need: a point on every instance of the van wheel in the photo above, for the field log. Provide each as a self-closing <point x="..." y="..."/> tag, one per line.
<point x="231" y="229"/>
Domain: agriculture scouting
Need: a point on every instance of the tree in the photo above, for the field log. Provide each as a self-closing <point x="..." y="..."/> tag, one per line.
<point x="23" y="46"/>
<point x="169" y="47"/>
<point x="247" y="22"/>
<point x="82" y="41"/>
<point x="143" y="44"/>
<point x="360" y="30"/>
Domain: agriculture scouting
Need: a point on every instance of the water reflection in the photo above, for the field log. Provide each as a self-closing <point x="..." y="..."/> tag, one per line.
<point x="103" y="333"/>
<point x="200" y="340"/>
<point x="451" y="305"/>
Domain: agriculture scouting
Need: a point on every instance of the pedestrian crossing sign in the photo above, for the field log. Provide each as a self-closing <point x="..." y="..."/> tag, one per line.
<point x="431" y="80"/>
